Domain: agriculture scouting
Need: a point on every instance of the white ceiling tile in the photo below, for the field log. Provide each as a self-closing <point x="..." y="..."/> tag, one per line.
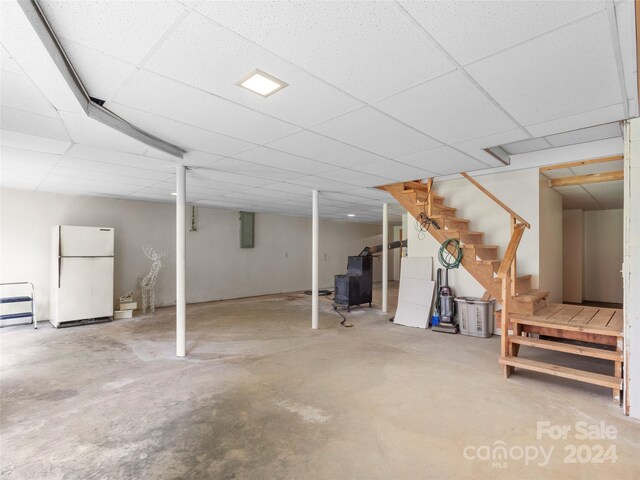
<point x="449" y="108"/>
<point x="525" y="79"/>
<point x="84" y="185"/>
<point x="358" y="179"/>
<point x="303" y="191"/>
<point x="163" y="97"/>
<point x="123" y="29"/>
<point x="88" y="131"/>
<point x="18" y="91"/>
<point x="22" y="42"/>
<point x="82" y="164"/>
<point x="33" y="124"/>
<point x="242" y="167"/>
<point x="26" y="158"/>
<point x="374" y="131"/>
<point x="598" y="168"/>
<point x="103" y="177"/>
<point x="599" y="132"/>
<point x="558" y="173"/>
<point x="187" y="56"/>
<point x="181" y="134"/>
<point x="101" y="74"/>
<point x="443" y="161"/>
<point x="625" y="19"/>
<point x="285" y="161"/>
<point x="368" y="49"/>
<point x="390" y="169"/>
<point x="8" y="64"/>
<point x="120" y="158"/>
<point x="32" y="142"/>
<point x="470" y="30"/>
<point x="318" y="147"/>
<point x="524" y="146"/>
<point x="319" y="183"/>
<point x="211" y="173"/>
<point x="612" y="113"/>
<point x="475" y="147"/>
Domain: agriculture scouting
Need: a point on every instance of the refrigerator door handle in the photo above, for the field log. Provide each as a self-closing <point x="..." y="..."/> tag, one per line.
<point x="59" y="270"/>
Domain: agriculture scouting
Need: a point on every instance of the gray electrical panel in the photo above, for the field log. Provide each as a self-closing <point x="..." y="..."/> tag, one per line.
<point x="247" y="229"/>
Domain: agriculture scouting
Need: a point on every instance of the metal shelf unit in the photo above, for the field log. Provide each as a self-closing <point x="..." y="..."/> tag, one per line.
<point x="21" y="299"/>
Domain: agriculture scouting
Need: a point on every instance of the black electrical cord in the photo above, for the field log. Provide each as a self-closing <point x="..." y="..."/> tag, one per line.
<point x="326" y="293"/>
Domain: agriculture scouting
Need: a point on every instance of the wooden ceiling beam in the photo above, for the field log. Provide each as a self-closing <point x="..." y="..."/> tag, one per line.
<point x="580" y="163"/>
<point x="589" y="178"/>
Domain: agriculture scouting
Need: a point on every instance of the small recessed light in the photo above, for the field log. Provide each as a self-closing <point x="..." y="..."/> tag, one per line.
<point x="351" y="214"/>
<point x="262" y="83"/>
<point x="174" y="194"/>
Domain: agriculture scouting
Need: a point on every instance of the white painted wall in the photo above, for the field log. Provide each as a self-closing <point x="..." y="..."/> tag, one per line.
<point x="217" y="267"/>
<point x="519" y="190"/>
<point x="550" y="224"/>
<point x="572" y="256"/>
<point x="631" y="257"/>
<point x="603" y="246"/>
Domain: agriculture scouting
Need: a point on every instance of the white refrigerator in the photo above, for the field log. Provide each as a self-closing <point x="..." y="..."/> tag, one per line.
<point x="81" y="275"/>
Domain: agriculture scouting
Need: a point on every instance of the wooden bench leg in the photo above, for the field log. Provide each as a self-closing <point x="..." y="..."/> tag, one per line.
<point x="617" y="372"/>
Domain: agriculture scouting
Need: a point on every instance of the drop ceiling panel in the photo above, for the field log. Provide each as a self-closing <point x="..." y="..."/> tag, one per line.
<point x="617" y="165"/>
<point x="327" y="150"/>
<point x="166" y="98"/>
<point x="358" y="179"/>
<point x="625" y="16"/>
<point x="226" y="177"/>
<point x="367" y="49"/>
<point x="71" y="184"/>
<point x="563" y="73"/>
<point x="105" y="178"/>
<point x="26" y="159"/>
<point x="525" y="146"/>
<point x="449" y="108"/>
<point x="609" y="195"/>
<point x="91" y="132"/>
<point x="81" y="164"/>
<point x="285" y="161"/>
<point x="33" y="124"/>
<point x="101" y="74"/>
<point x="470" y="30"/>
<point x="124" y="29"/>
<point x="181" y="134"/>
<point x="320" y="183"/>
<point x="187" y="56"/>
<point x="599" y="132"/>
<point x="11" y="178"/>
<point x="442" y="160"/>
<point x="393" y="170"/>
<point x="8" y="64"/>
<point x="119" y="158"/>
<point x="474" y="147"/>
<point x="32" y="142"/>
<point x="242" y="167"/>
<point x="612" y="113"/>
<point x="18" y="91"/>
<point x="374" y="131"/>
<point x="558" y="173"/>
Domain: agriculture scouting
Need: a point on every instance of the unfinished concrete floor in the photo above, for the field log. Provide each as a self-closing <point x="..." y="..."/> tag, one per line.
<point x="262" y="396"/>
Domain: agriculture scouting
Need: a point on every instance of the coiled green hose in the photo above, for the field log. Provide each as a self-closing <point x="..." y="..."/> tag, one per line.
<point x="447" y="259"/>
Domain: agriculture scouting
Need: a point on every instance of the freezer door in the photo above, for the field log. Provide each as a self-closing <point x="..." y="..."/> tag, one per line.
<point x="86" y="288"/>
<point x="86" y="241"/>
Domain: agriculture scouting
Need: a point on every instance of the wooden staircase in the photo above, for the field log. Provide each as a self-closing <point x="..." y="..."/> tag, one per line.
<point x="479" y="259"/>
<point x="525" y="310"/>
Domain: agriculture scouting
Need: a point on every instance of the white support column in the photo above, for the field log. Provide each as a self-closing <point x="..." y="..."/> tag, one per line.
<point x="314" y="262"/>
<point x="181" y="260"/>
<point x="385" y="257"/>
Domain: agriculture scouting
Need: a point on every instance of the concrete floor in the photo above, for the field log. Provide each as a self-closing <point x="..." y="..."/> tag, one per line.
<point x="262" y="396"/>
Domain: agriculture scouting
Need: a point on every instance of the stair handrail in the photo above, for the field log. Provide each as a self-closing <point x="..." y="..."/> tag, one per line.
<point x="510" y="253"/>
<point x="496" y="199"/>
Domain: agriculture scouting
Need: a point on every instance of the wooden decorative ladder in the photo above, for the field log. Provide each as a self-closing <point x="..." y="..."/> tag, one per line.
<point x="524" y="310"/>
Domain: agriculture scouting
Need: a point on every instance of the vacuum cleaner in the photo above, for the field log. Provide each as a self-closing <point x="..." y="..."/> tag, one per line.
<point x="445" y="305"/>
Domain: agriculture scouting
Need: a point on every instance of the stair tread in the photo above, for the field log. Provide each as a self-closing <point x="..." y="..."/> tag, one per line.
<point x="468" y="232"/>
<point x="533" y="295"/>
<point x="567" y="348"/>
<point x="479" y="245"/>
<point x="520" y="277"/>
<point x="490" y="262"/>
<point x="450" y="217"/>
<point x="564" y="372"/>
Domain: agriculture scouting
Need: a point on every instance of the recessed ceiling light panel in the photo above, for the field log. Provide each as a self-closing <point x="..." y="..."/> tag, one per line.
<point x="351" y="214"/>
<point x="262" y="83"/>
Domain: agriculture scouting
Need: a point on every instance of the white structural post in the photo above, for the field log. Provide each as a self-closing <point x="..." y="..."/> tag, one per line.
<point x="181" y="260"/>
<point x="314" y="262"/>
<point x="385" y="256"/>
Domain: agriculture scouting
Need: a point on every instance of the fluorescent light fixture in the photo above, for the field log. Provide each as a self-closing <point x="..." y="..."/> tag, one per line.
<point x="262" y="83"/>
<point x="351" y="214"/>
<point x="174" y="194"/>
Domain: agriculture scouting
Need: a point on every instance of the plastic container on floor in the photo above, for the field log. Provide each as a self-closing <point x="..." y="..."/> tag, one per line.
<point x="475" y="316"/>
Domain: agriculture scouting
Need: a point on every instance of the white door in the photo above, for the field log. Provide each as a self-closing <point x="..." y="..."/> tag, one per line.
<point x="86" y="241"/>
<point x="75" y="289"/>
<point x="102" y="287"/>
